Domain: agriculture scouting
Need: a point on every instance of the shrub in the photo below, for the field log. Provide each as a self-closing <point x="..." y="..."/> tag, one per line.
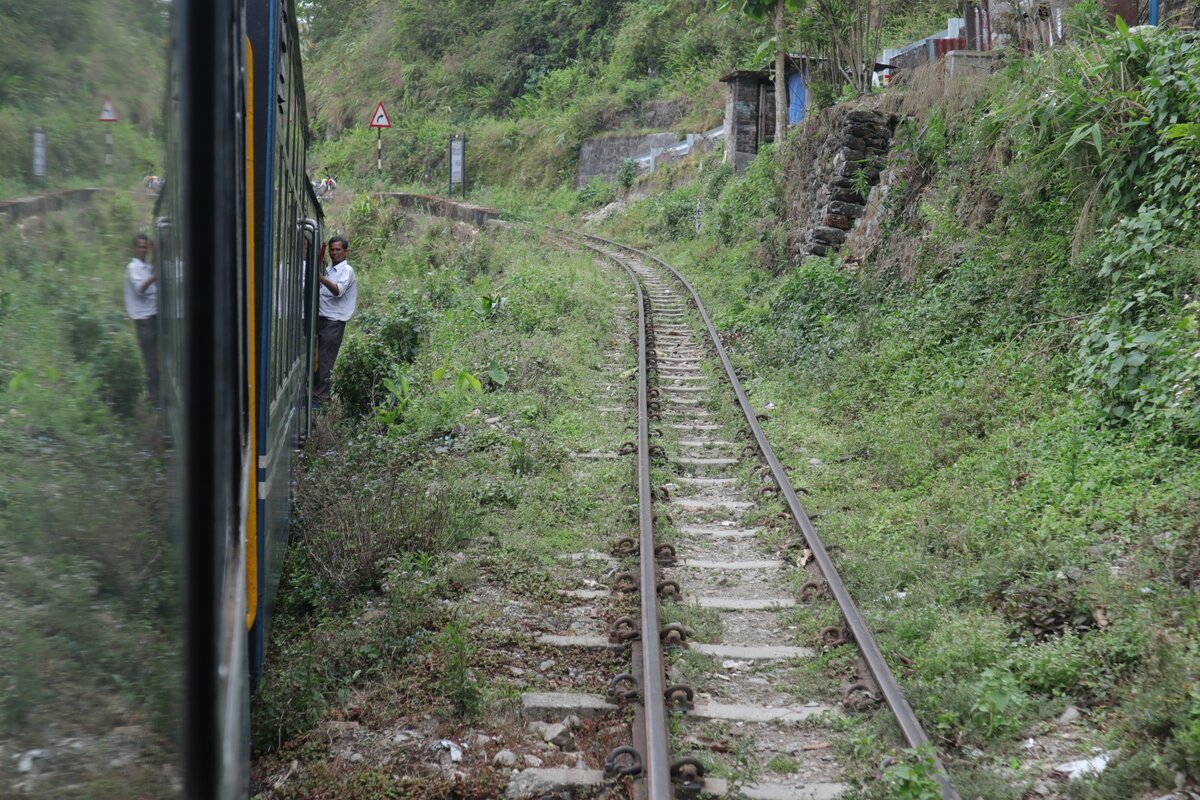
<point x="748" y="205"/>
<point x="388" y="335"/>
<point x="363" y="362"/>
<point x="596" y="193"/>
<point x="345" y="546"/>
<point x="626" y="173"/>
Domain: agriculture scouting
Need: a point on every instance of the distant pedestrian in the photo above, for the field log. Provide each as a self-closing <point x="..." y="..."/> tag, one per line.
<point x="335" y="306"/>
<point x="141" y="303"/>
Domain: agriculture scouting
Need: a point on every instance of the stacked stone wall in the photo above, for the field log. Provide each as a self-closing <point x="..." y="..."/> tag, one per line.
<point x="846" y="165"/>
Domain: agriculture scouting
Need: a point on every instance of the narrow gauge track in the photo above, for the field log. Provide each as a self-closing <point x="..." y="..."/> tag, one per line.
<point x="715" y="544"/>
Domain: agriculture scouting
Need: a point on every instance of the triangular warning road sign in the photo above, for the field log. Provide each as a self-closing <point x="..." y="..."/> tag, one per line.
<point x="107" y="112"/>
<point x="380" y="118"/>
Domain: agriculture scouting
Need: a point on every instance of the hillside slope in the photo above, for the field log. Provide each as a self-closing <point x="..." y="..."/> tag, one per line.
<point x="61" y="63"/>
<point x="996" y="403"/>
<point x="528" y="80"/>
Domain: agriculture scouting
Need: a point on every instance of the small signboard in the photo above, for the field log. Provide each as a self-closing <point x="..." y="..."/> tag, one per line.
<point x="380" y="118"/>
<point x="107" y="112"/>
<point x="458" y="163"/>
<point x="39" y="153"/>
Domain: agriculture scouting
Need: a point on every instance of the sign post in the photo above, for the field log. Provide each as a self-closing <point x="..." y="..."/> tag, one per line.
<point x="107" y="114"/>
<point x="379" y="121"/>
<point x="458" y="163"/>
<point x="39" y="153"/>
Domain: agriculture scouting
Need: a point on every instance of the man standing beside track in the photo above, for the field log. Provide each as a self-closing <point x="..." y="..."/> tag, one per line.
<point x="141" y="303"/>
<point x="337" y="300"/>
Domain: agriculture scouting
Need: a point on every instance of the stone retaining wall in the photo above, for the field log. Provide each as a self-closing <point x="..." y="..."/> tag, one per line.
<point x="838" y="181"/>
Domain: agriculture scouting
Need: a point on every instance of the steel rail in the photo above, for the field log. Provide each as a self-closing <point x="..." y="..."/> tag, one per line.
<point x="657" y="758"/>
<point x="910" y="726"/>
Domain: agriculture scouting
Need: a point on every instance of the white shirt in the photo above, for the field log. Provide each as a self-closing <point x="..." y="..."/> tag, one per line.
<point x="139" y="304"/>
<point x="339" y="306"/>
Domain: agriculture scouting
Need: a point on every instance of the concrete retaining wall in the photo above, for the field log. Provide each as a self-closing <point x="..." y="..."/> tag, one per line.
<point x="13" y="210"/>
<point x="479" y="216"/>
<point x="603" y="156"/>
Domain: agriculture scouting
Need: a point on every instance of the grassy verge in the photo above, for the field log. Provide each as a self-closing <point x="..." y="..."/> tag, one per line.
<point x="431" y="512"/>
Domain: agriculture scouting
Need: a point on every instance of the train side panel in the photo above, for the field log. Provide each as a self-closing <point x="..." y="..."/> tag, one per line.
<point x="282" y="368"/>
<point x="200" y="235"/>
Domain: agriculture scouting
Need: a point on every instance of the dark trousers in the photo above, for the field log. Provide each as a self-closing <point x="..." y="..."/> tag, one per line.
<point x="329" y="341"/>
<point x="147" y="334"/>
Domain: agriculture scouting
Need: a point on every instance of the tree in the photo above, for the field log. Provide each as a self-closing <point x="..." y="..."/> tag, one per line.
<point x="776" y="9"/>
<point x="855" y="28"/>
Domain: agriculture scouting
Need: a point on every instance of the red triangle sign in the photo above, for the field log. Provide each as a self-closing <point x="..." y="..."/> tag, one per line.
<point x="107" y="112"/>
<point x="380" y="118"/>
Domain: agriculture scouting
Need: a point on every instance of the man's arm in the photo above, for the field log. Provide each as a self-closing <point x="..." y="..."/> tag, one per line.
<point x="136" y="280"/>
<point x="330" y="285"/>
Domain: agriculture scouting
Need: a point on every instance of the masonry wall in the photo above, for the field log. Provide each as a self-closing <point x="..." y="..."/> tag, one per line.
<point x="828" y="183"/>
<point x="478" y="216"/>
<point x="741" y="122"/>
<point x="1182" y="13"/>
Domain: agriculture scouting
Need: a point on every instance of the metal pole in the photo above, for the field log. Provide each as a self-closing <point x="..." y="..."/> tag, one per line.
<point x="379" y="149"/>
<point x="108" y="148"/>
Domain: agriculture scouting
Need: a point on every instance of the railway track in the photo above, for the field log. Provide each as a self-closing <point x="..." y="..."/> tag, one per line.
<point x="718" y="698"/>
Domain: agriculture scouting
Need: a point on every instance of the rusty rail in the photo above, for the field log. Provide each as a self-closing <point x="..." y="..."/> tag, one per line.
<point x="910" y="726"/>
<point x="656" y="760"/>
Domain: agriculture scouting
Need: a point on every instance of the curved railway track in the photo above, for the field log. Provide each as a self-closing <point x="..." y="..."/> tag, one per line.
<point x="695" y="550"/>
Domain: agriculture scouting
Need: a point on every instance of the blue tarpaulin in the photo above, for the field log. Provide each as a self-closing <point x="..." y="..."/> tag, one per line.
<point x="797" y="85"/>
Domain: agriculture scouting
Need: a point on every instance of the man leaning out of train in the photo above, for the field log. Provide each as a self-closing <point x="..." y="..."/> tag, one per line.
<point x="338" y="299"/>
<point x="141" y="303"/>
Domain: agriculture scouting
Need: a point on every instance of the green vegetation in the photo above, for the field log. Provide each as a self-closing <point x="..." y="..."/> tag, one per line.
<point x="1002" y="398"/>
<point x="90" y="640"/>
<point x="60" y="64"/>
<point x="529" y="80"/>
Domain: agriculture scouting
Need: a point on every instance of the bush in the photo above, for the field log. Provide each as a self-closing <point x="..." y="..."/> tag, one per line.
<point x="749" y="205"/>
<point x="388" y="335"/>
<point x="626" y="173"/>
<point x="364" y="361"/>
<point x="596" y="193"/>
<point x="347" y="546"/>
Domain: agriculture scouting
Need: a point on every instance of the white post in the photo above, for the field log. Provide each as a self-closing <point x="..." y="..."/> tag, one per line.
<point x="379" y="149"/>
<point x="108" y="148"/>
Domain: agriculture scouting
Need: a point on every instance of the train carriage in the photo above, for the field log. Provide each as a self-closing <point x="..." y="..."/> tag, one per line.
<point x="238" y="236"/>
<point x="285" y="235"/>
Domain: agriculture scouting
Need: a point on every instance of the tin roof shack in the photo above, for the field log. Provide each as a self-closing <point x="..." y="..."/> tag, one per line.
<point x="750" y="107"/>
<point x="924" y="51"/>
<point x="1037" y="24"/>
